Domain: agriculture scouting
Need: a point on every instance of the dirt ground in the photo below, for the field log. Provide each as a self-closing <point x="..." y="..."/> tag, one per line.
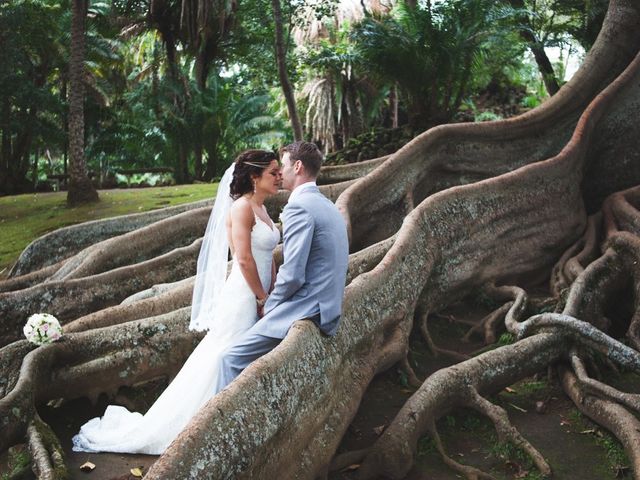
<point x="575" y="448"/>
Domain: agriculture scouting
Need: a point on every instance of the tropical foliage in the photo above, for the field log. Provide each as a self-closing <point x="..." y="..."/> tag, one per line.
<point x="160" y="94"/>
<point x="434" y="53"/>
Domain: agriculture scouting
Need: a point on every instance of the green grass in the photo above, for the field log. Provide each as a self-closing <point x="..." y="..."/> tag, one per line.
<point x="19" y="464"/>
<point x="508" y="452"/>
<point x="426" y="446"/>
<point x="23" y="218"/>
<point x="617" y="458"/>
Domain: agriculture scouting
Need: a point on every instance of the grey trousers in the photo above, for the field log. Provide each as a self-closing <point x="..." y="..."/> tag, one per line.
<point x="237" y="357"/>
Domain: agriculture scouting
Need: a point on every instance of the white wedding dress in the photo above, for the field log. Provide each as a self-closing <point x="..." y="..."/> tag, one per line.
<point x="122" y="431"/>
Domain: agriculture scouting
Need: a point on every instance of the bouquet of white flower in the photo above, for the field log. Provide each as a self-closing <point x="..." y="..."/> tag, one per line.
<point x="42" y="328"/>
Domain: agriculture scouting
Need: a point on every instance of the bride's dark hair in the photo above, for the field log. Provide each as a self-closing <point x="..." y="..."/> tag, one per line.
<point x="249" y="165"/>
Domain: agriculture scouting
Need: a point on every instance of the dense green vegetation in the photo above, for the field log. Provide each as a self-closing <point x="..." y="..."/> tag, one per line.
<point x="187" y="85"/>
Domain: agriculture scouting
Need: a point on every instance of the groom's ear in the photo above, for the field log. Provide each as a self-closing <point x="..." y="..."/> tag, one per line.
<point x="298" y="166"/>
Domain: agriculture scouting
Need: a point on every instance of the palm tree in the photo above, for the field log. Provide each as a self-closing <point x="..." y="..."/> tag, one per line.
<point x="205" y="26"/>
<point x="429" y="52"/>
<point x="536" y="46"/>
<point x="339" y="102"/>
<point x="236" y="121"/>
<point x="81" y="189"/>
<point x="281" y="56"/>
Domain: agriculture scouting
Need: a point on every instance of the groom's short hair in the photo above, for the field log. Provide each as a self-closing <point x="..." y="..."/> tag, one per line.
<point x="308" y="153"/>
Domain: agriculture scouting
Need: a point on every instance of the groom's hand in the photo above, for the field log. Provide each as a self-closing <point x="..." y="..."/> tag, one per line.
<point x="260" y="311"/>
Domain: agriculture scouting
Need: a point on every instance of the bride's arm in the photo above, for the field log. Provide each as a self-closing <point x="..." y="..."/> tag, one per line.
<point x="242" y="219"/>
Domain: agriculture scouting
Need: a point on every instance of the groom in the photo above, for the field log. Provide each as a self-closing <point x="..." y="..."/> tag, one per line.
<point x="310" y="282"/>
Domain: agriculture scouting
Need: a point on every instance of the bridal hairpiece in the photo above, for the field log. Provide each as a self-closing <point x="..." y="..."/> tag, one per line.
<point x="268" y="158"/>
<point x="257" y="164"/>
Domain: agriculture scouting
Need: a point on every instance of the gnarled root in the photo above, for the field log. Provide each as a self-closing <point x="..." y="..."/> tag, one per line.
<point x="506" y="431"/>
<point x="469" y="472"/>
<point x="393" y="453"/>
<point x="589" y="386"/>
<point x="433" y="348"/>
<point x="612" y="416"/>
<point x="170" y="300"/>
<point x="66" y="242"/>
<point x="74" y="298"/>
<point x="142" y="244"/>
<point x="581" y="253"/>
<point x="46" y="452"/>
<point x="509" y="312"/>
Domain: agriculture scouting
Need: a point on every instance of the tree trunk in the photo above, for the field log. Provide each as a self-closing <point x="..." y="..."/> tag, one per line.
<point x="81" y="189"/>
<point x="65" y="122"/>
<point x="281" y="60"/>
<point x="537" y="48"/>
<point x="393" y="100"/>
<point x="19" y="160"/>
<point x="35" y="168"/>
<point x="198" y="147"/>
<point x="351" y="111"/>
<point x="182" y="172"/>
<point x="5" y="151"/>
<point x="212" y="155"/>
<point x="544" y="64"/>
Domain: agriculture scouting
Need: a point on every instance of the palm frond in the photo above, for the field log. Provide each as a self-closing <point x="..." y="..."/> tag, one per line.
<point x="320" y="114"/>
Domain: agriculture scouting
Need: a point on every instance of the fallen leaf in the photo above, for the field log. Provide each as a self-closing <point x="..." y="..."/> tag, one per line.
<point x="351" y="468"/>
<point x="136" y="472"/>
<point x="590" y="431"/>
<point x="510" y="390"/>
<point x="379" y="430"/>
<point x="87" y="467"/>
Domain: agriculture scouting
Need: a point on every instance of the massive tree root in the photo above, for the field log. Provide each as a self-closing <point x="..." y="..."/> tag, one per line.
<point x="65" y="242"/>
<point x="455" y="154"/>
<point x="461" y="207"/>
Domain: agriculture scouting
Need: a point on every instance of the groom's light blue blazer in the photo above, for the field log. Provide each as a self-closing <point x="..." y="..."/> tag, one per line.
<point x="311" y="280"/>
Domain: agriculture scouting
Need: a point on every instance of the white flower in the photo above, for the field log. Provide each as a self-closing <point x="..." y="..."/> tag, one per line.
<point x="42" y="328"/>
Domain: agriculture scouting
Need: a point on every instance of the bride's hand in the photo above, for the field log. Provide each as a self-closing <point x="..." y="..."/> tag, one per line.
<point x="260" y="302"/>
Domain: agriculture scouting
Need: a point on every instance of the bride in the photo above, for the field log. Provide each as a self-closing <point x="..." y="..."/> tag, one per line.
<point x="227" y="308"/>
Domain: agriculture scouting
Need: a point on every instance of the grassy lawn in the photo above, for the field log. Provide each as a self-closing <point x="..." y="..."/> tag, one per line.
<point x="23" y="218"/>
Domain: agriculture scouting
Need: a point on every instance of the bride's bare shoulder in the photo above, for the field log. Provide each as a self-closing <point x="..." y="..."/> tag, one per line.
<point x="242" y="211"/>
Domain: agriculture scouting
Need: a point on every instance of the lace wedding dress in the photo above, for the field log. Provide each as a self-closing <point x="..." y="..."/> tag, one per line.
<point x="122" y="431"/>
